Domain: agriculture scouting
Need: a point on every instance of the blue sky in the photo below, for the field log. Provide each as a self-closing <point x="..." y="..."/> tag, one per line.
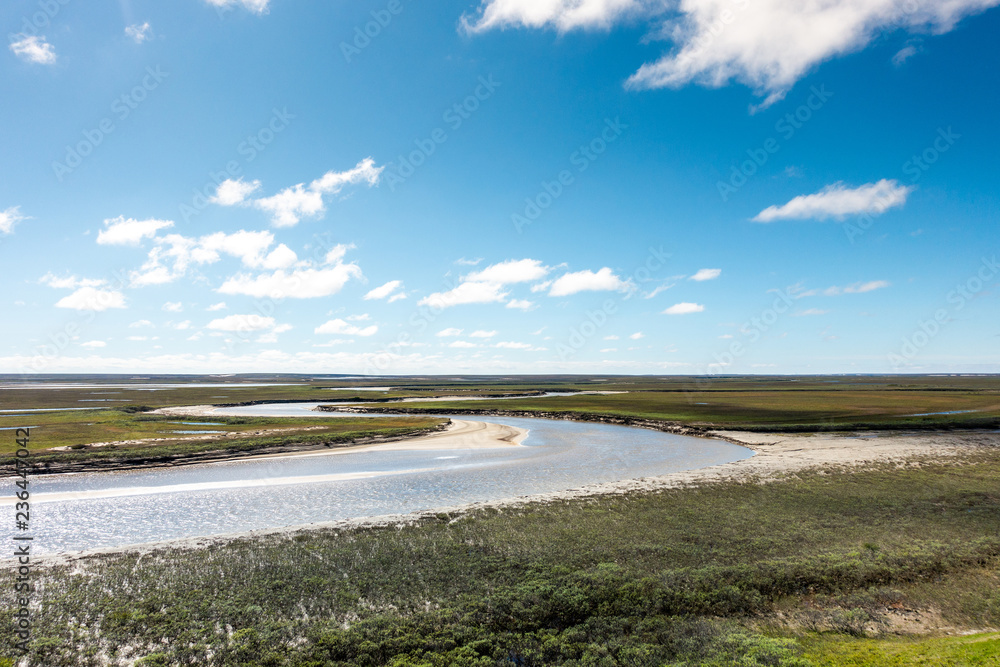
<point x="508" y="186"/>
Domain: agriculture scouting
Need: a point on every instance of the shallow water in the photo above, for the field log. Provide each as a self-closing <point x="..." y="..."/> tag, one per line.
<point x="89" y="510"/>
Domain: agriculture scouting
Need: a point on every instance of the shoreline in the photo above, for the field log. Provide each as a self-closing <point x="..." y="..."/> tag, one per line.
<point x="776" y="456"/>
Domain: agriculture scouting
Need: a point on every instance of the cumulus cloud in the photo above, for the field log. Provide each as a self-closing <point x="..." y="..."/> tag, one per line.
<point x="684" y="308"/>
<point x="217" y="306"/>
<point x="520" y="304"/>
<point x="839" y="201"/>
<point x="297" y="284"/>
<point x="637" y="335"/>
<point x="138" y="33"/>
<point x="767" y="45"/>
<point x="387" y="291"/>
<point x="509" y="272"/>
<point x="92" y="298"/>
<point x="463" y="344"/>
<point x="292" y="204"/>
<point x="482" y="334"/>
<point x="33" y="49"/>
<point x="93" y="344"/>
<point x="589" y="281"/>
<point x="119" y="231"/>
<point x="706" y="274"/>
<point x="9" y="218"/>
<point x="450" y="332"/>
<point x="234" y="191"/>
<point x="339" y="326"/>
<point x="466" y="293"/>
<point x="173" y="306"/>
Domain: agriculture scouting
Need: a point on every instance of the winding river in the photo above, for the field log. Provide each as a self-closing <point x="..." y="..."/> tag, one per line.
<point x="114" y="509"/>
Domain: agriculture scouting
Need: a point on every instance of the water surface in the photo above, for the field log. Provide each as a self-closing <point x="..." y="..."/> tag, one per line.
<point x="88" y="510"/>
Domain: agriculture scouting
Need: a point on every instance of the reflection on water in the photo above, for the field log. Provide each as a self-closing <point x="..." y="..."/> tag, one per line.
<point x="88" y="510"/>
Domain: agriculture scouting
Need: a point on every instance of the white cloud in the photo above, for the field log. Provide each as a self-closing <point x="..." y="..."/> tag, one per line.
<point x="183" y="326"/>
<point x="138" y="33"/>
<point x="838" y="201"/>
<point x="468" y="262"/>
<point x="91" y="298"/>
<point x="255" y="6"/>
<point x="339" y="326"/>
<point x="684" y="309"/>
<point x="217" y="306"/>
<point x="232" y="192"/>
<point x="33" y="49"/>
<point x="810" y="312"/>
<point x="588" y="281"/>
<point x="612" y="337"/>
<point x="561" y="14"/>
<point x="462" y="344"/>
<point x="511" y="271"/>
<point x="386" y="291"/>
<point x="451" y="332"/>
<point x="770" y="44"/>
<point x="466" y="293"/>
<point x="857" y="288"/>
<point x="9" y="218"/>
<point x="637" y="335"/>
<point x="94" y="344"/>
<point x="706" y="274"/>
<point x="297" y="284"/>
<point x="903" y="55"/>
<point x="512" y="345"/>
<point x="70" y="282"/>
<point x="482" y="334"/>
<point x="767" y="45"/>
<point x="140" y="324"/>
<point x="363" y="317"/>
<point x="292" y="204"/>
<point x="521" y="304"/>
<point x="238" y="323"/>
<point x="119" y="231"/>
<point x="173" y="306"/>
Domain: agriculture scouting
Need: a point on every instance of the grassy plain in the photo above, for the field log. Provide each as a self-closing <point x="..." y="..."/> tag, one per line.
<point x="846" y="567"/>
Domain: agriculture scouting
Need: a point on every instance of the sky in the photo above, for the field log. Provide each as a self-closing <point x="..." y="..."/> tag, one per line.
<point x="499" y="186"/>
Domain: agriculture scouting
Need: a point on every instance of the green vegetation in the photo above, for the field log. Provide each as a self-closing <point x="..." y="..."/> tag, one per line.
<point x="758" y="403"/>
<point x="77" y="430"/>
<point x="678" y="577"/>
<point x="969" y="651"/>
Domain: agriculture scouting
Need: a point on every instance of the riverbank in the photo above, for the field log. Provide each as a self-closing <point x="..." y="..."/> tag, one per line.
<point x="777" y="457"/>
<point x="848" y="537"/>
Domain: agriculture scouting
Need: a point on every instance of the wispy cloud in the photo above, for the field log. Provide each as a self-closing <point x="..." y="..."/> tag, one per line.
<point x="137" y="32"/>
<point x="292" y="204"/>
<point x="839" y="201"/>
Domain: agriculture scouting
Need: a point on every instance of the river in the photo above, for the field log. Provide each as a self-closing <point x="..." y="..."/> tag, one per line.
<point x="114" y="509"/>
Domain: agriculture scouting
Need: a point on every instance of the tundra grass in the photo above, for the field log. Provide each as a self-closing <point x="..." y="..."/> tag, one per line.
<point x="969" y="651"/>
<point x="676" y="577"/>
<point x="79" y="430"/>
